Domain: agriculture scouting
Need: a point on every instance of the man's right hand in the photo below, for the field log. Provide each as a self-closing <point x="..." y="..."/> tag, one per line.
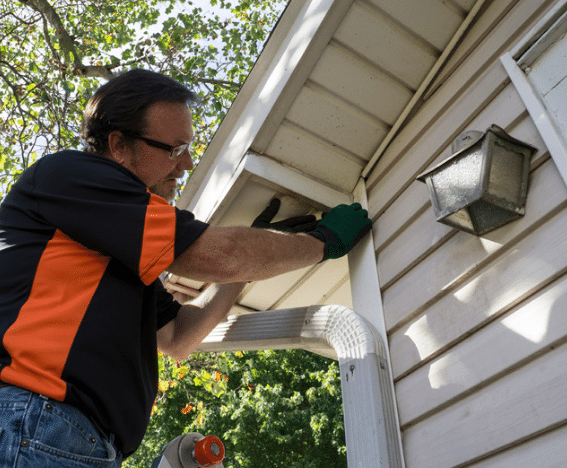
<point x="296" y="224"/>
<point x="341" y="229"/>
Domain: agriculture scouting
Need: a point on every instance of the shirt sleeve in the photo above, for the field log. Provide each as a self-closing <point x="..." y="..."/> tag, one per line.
<point x="167" y="306"/>
<point x="105" y="207"/>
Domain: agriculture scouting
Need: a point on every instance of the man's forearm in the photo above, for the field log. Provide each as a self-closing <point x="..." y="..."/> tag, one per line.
<point x="245" y="254"/>
<point x="197" y="319"/>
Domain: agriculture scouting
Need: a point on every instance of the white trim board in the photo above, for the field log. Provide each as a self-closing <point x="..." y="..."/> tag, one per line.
<point x="518" y="62"/>
<point x="280" y="179"/>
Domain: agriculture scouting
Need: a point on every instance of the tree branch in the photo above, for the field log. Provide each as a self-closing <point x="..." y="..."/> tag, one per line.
<point x="67" y="43"/>
<point x="65" y="40"/>
<point x="48" y="40"/>
<point x="103" y="71"/>
<point x="225" y="84"/>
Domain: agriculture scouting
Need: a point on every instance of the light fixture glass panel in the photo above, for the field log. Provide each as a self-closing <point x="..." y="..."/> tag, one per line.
<point x="487" y="216"/>
<point x="505" y="179"/>
<point x="460" y="219"/>
<point x="458" y="181"/>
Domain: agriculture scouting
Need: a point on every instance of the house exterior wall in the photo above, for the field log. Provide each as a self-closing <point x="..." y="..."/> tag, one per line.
<point x="476" y="325"/>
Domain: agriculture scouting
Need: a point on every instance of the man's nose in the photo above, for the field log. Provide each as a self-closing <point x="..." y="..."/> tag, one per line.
<point x="185" y="162"/>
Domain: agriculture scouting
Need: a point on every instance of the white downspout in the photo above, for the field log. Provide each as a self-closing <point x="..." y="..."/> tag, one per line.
<point x="367" y="300"/>
<point x="337" y="332"/>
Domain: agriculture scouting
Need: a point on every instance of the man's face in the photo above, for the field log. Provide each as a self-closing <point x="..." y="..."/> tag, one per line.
<point x="169" y="123"/>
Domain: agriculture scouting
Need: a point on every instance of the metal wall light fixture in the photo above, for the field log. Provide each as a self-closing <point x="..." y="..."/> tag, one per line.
<point x="484" y="184"/>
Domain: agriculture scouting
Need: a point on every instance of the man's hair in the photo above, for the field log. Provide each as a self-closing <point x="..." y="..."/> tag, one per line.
<point x="121" y="104"/>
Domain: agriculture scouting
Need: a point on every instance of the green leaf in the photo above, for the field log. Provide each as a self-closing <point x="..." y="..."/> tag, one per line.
<point x="68" y="86"/>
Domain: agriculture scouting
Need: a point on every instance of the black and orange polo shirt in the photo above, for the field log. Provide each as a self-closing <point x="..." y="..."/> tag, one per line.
<point x="82" y="244"/>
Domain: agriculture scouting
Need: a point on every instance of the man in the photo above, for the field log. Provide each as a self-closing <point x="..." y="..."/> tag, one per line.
<point x="83" y="241"/>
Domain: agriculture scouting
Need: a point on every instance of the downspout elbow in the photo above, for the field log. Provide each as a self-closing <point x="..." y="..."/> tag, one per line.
<point x="346" y="334"/>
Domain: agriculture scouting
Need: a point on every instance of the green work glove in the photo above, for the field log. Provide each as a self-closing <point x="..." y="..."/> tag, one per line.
<point x="341" y="229"/>
<point x="296" y="224"/>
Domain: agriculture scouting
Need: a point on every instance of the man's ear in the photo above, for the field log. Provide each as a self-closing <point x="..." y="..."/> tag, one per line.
<point x="117" y="148"/>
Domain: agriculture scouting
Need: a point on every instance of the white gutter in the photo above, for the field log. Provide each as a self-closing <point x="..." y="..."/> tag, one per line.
<point x="337" y="332"/>
<point x="423" y="87"/>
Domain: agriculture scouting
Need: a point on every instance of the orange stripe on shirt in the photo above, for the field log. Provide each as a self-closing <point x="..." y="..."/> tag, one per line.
<point x="159" y="239"/>
<point x="39" y="341"/>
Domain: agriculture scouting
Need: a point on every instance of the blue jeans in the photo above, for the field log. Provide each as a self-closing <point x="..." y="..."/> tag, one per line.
<point x="38" y="432"/>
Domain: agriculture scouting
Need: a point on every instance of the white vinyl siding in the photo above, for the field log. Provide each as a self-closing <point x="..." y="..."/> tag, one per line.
<point x="476" y="325"/>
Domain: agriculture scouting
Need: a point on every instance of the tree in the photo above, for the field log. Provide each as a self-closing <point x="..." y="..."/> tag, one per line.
<point x="55" y="53"/>
<point x="270" y="408"/>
